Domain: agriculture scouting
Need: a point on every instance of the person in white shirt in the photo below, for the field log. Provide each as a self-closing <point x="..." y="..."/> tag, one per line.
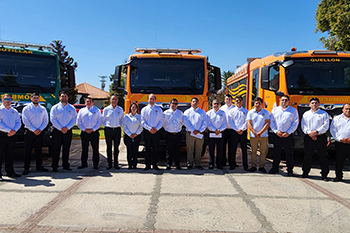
<point x="112" y="119"/>
<point x="195" y="121"/>
<point x="173" y="121"/>
<point x="35" y="120"/>
<point x="314" y="124"/>
<point x="228" y="134"/>
<point x="152" y="119"/>
<point x="217" y="123"/>
<point x="258" y="121"/>
<point x="340" y="130"/>
<point x="237" y="120"/>
<point x="63" y="117"/>
<point x="284" y="121"/>
<point x="132" y="134"/>
<point x="10" y="123"/>
<point x="89" y="121"/>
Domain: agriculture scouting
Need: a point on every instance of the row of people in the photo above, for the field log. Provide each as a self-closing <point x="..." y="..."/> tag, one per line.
<point x="226" y="125"/>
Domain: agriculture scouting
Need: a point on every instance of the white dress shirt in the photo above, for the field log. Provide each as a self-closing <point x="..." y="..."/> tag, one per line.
<point x="284" y="120"/>
<point x="113" y="117"/>
<point x="132" y="124"/>
<point x="216" y="120"/>
<point x="89" y="118"/>
<point x="152" y="116"/>
<point x="173" y="120"/>
<point x="9" y="119"/>
<point x="63" y="116"/>
<point x="258" y="121"/>
<point x="227" y="109"/>
<point x="35" y="117"/>
<point x="318" y="121"/>
<point x="237" y="118"/>
<point x="340" y="127"/>
<point x="195" y="119"/>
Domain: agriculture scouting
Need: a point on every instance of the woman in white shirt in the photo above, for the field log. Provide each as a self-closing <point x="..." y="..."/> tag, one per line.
<point x="132" y="129"/>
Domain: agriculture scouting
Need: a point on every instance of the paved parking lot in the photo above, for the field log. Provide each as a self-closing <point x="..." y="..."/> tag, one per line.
<point x="175" y="201"/>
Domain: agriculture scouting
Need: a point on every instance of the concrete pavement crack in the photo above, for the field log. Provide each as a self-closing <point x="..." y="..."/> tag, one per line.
<point x="153" y="205"/>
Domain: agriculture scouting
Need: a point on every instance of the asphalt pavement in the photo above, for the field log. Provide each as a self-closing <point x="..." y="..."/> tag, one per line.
<point x="175" y="201"/>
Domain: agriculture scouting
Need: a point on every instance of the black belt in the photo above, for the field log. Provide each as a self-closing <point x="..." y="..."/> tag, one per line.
<point x="173" y="133"/>
<point x="3" y="133"/>
<point x="112" y="128"/>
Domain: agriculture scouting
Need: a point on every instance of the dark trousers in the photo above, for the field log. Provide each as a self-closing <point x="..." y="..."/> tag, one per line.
<point x="132" y="149"/>
<point x="151" y="143"/>
<point x="288" y="144"/>
<point x="94" y="139"/>
<point x="61" y="140"/>
<point x="7" y="146"/>
<point x="227" y="137"/>
<point x="242" y="139"/>
<point x="173" y="143"/>
<point x="112" y="136"/>
<point x="309" y="146"/>
<point x="342" y="151"/>
<point x="218" y="142"/>
<point x="31" y="140"/>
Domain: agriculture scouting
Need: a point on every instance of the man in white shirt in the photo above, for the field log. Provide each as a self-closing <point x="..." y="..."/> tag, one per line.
<point x="237" y="120"/>
<point x="228" y="134"/>
<point x="112" y="119"/>
<point x="315" y="123"/>
<point x="63" y="117"/>
<point x="10" y="123"/>
<point x="152" y="119"/>
<point x="340" y="130"/>
<point x="195" y="120"/>
<point x="284" y="120"/>
<point x="173" y="121"/>
<point x="217" y="123"/>
<point x="89" y="121"/>
<point x="35" y="120"/>
<point x="258" y="121"/>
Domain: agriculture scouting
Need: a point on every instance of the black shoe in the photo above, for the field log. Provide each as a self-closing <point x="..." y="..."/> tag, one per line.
<point x="232" y="167"/>
<point x="325" y="178"/>
<point x="168" y="167"/>
<point x="147" y="168"/>
<point x="336" y="179"/>
<point x="82" y="166"/>
<point x="134" y="167"/>
<point x="109" y="167"/>
<point x="220" y="167"/>
<point x="13" y="175"/>
<point x="25" y="172"/>
<point x="95" y="167"/>
<point x="246" y="169"/>
<point x="273" y="171"/>
<point x="290" y="174"/>
<point x="55" y="170"/>
<point x="262" y="169"/>
<point x="189" y="167"/>
<point x="129" y="167"/>
<point x="1" y="179"/>
<point x="117" y="167"/>
<point x="42" y="169"/>
<point x="236" y="165"/>
<point x="67" y="168"/>
<point x="178" y="168"/>
<point x="211" y="166"/>
<point x="252" y="169"/>
<point x="199" y="167"/>
<point x="155" y="167"/>
<point x="304" y="175"/>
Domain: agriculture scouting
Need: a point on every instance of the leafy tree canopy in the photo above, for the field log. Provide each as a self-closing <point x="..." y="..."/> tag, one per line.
<point x="333" y="16"/>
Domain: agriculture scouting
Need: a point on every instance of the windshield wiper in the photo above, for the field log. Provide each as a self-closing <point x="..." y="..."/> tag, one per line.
<point x="151" y="90"/>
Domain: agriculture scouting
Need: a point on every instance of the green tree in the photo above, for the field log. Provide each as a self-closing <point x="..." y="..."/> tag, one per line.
<point x="116" y="91"/>
<point x="333" y="17"/>
<point x="222" y="92"/>
<point x="65" y="59"/>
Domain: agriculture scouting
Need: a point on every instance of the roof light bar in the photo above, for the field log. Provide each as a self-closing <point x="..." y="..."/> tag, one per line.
<point x="324" y="52"/>
<point x="167" y="50"/>
<point x="24" y="45"/>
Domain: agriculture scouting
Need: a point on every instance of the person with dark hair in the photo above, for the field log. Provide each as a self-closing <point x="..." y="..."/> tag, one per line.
<point x="113" y="119"/>
<point x="284" y="122"/>
<point x="132" y="134"/>
<point x="195" y="120"/>
<point x="35" y="120"/>
<point x="10" y="123"/>
<point x="217" y="123"/>
<point x="237" y="120"/>
<point x="340" y="130"/>
<point x="228" y="134"/>
<point x="315" y="123"/>
<point x="89" y="121"/>
<point x="152" y="119"/>
<point x="173" y="121"/>
<point x="63" y="117"/>
<point x="258" y="121"/>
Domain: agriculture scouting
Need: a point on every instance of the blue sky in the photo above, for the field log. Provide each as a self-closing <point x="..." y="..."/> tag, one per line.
<point x="102" y="34"/>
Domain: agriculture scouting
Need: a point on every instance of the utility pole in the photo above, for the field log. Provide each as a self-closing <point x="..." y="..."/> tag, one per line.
<point x="103" y="82"/>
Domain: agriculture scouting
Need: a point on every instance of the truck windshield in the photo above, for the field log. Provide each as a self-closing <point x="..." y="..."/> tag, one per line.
<point x="23" y="73"/>
<point x="167" y="76"/>
<point x="319" y="76"/>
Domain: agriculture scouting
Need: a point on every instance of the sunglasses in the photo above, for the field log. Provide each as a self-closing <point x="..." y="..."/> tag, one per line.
<point x="8" y="99"/>
<point x="216" y="103"/>
<point x="175" y="103"/>
<point x="284" y="99"/>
